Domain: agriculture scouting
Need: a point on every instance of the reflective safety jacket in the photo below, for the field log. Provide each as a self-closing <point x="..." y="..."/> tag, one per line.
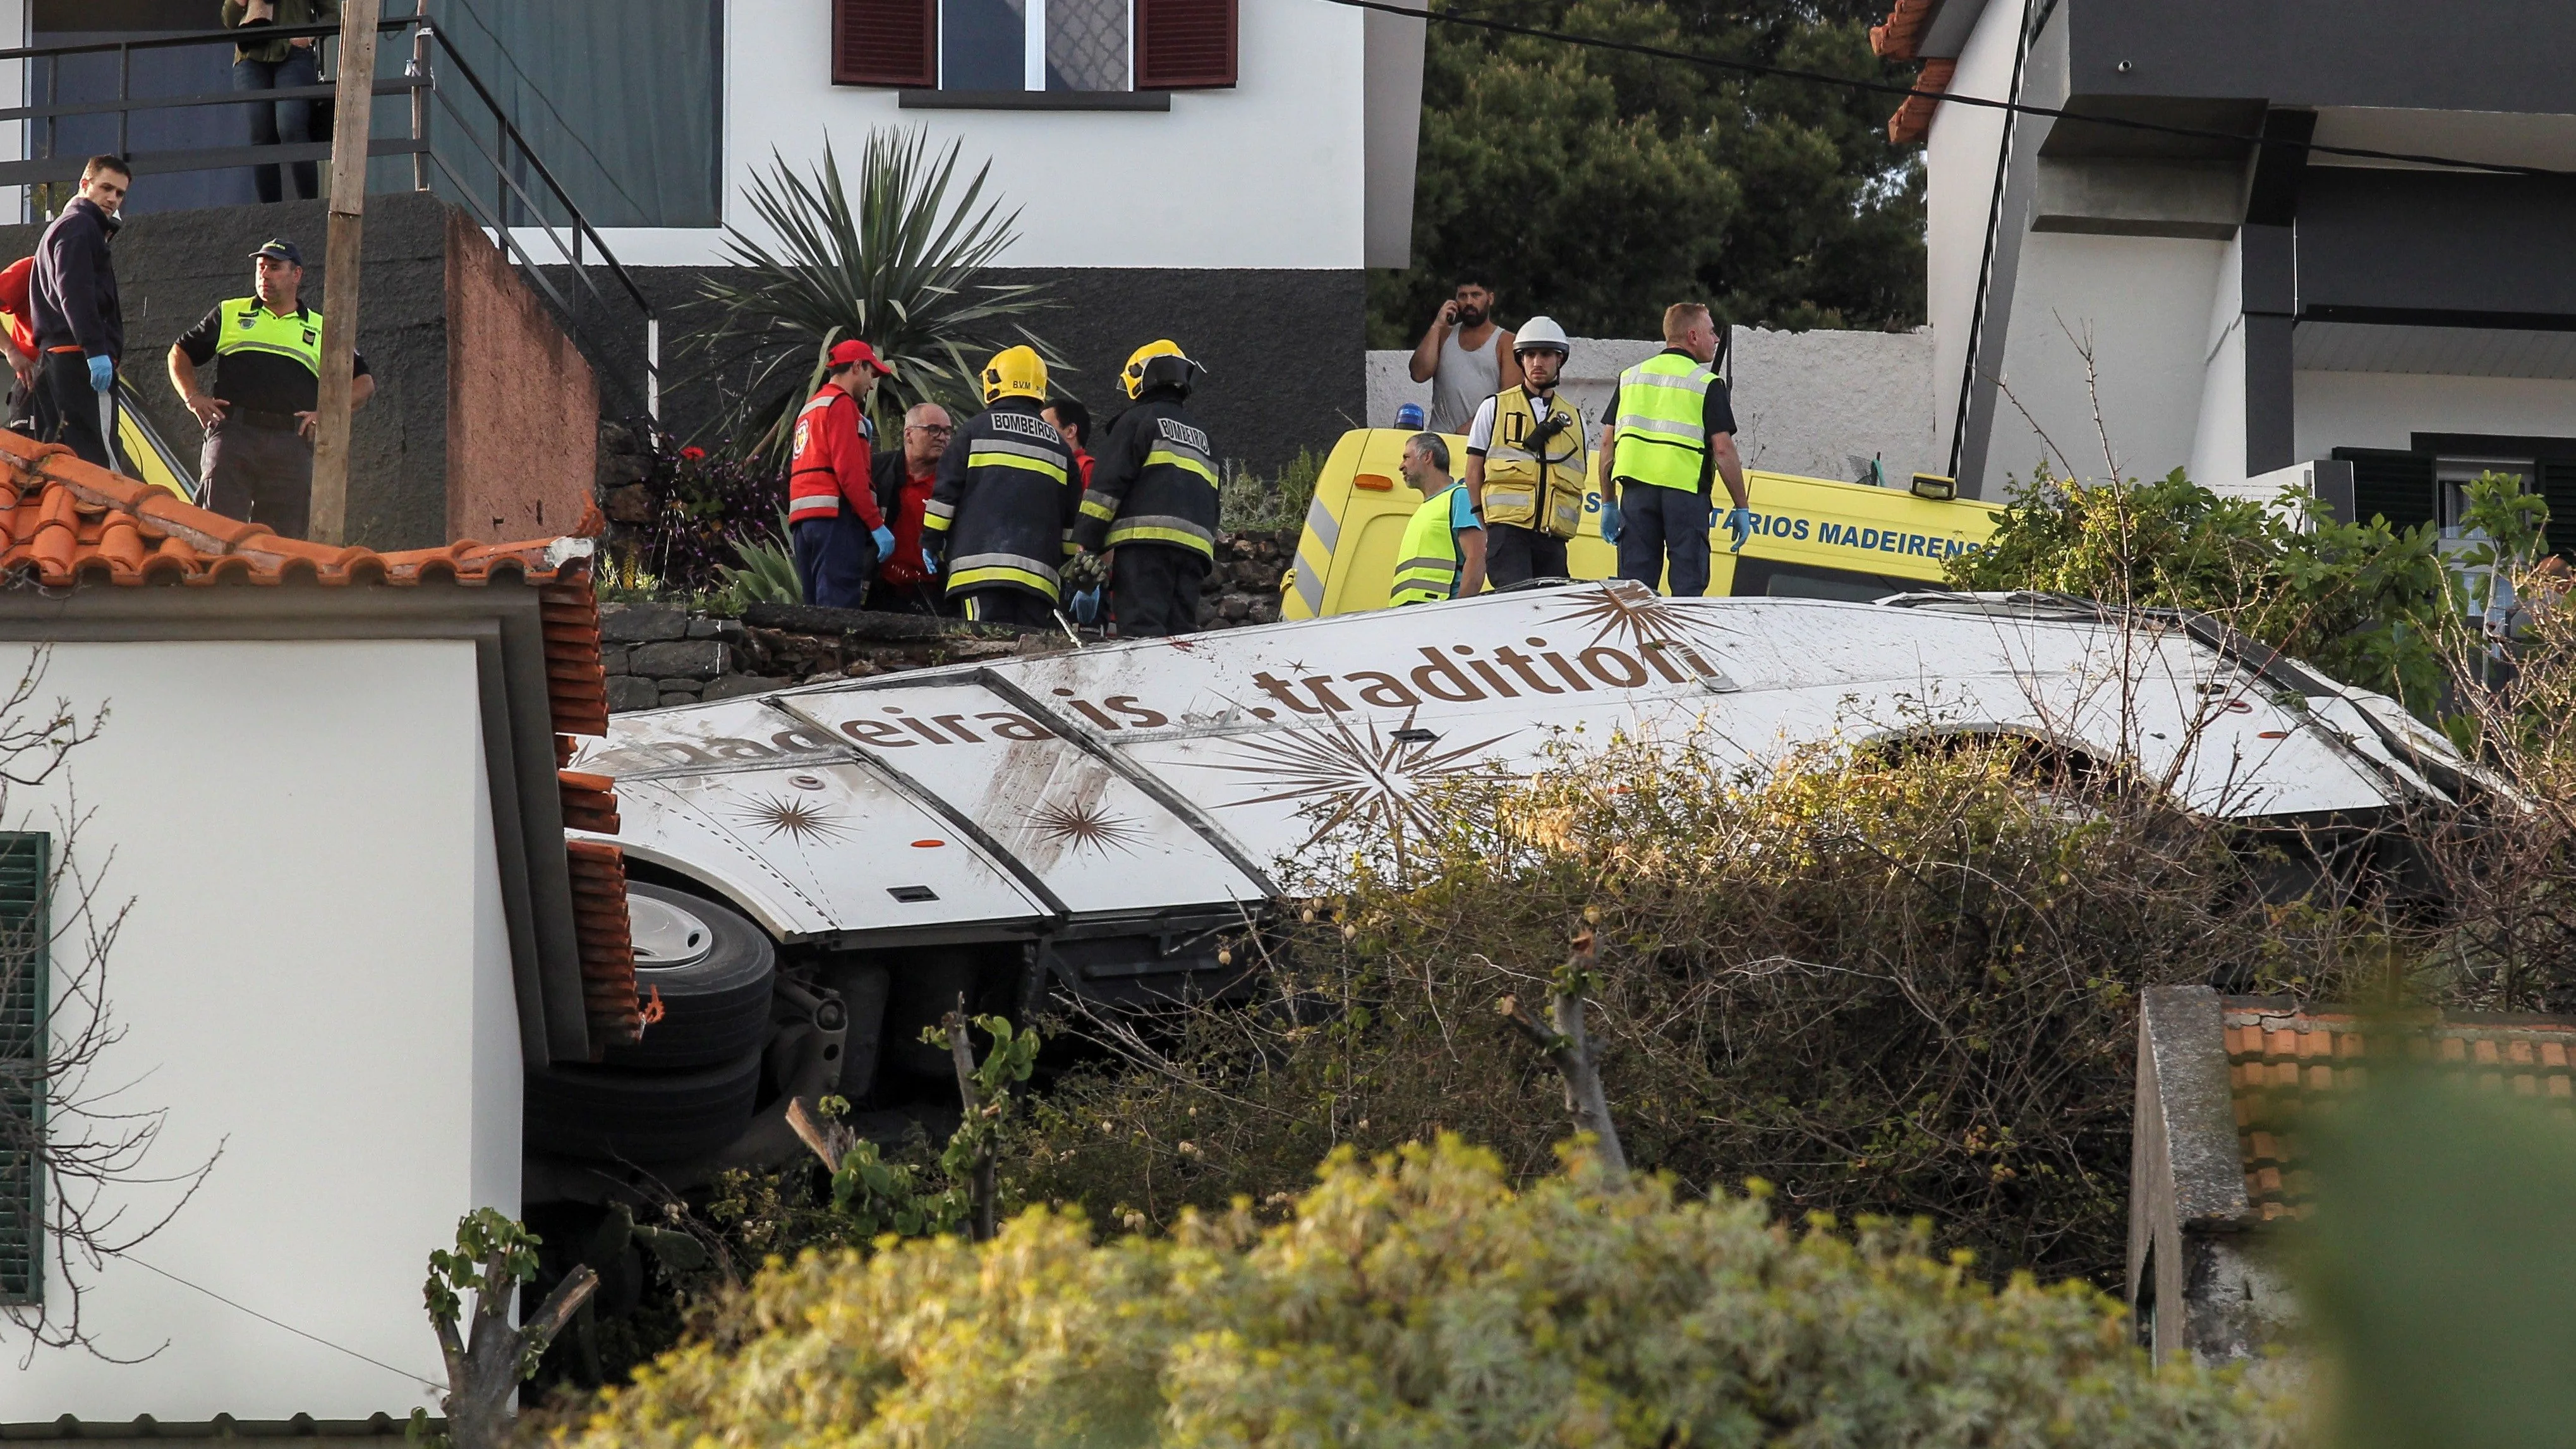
<point x="1426" y="568"/>
<point x="832" y="466"/>
<point x="1534" y="483"/>
<point x="1002" y="512"/>
<point x="1155" y="481"/>
<point x="250" y="327"/>
<point x="1663" y="421"/>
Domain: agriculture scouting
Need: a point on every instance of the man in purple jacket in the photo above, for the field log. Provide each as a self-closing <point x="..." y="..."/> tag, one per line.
<point x="80" y="327"/>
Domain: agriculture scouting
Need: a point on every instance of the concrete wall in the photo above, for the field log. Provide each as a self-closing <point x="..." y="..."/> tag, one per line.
<point x="1283" y="347"/>
<point x="2385" y="409"/>
<point x="1271" y="173"/>
<point x="406" y="487"/>
<point x="313" y="978"/>
<point x="1819" y="404"/>
<point x="1959" y="166"/>
<point x="2142" y="305"/>
<point x="522" y="407"/>
<point x="172" y="267"/>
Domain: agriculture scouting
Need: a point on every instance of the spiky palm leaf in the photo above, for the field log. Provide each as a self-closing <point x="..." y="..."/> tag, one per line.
<point x="898" y="265"/>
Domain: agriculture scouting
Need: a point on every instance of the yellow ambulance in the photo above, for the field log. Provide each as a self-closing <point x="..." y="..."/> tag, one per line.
<point x="1813" y="538"/>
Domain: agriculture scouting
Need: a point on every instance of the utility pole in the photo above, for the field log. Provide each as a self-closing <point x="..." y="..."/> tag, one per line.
<point x="357" y="99"/>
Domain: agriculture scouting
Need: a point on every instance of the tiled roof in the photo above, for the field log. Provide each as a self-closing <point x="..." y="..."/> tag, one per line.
<point x="1896" y="39"/>
<point x="2288" y="1065"/>
<point x="1912" y="122"/>
<point x="65" y="523"/>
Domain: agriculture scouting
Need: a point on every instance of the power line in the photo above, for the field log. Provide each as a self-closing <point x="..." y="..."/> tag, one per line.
<point x="1889" y="88"/>
<point x="291" y="1328"/>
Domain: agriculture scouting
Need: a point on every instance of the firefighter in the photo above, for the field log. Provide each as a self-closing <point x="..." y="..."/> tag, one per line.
<point x="832" y="514"/>
<point x="1002" y="513"/>
<point x="1525" y="463"/>
<point x="1153" y="499"/>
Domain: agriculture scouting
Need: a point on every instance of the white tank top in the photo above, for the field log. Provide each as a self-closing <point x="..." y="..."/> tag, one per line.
<point x="1462" y="380"/>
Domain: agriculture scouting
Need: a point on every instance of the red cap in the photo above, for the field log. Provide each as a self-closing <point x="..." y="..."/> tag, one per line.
<point x="845" y="353"/>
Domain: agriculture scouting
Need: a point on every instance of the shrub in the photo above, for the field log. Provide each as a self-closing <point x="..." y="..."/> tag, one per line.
<point x="1417" y="1300"/>
<point x="702" y="505"/>
<point x="1894" y="984"/>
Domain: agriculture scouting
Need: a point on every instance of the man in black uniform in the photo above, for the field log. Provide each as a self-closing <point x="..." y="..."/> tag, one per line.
<point x="1153" y="498"/>
<point x="1002" y="513"/>
<point x="259" y="420"/>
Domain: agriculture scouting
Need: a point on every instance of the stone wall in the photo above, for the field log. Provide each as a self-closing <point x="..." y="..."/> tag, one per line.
<point x="664" y="654"/>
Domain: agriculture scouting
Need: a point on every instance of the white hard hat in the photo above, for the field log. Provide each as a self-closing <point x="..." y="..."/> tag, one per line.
<point x="1540" y="332"/>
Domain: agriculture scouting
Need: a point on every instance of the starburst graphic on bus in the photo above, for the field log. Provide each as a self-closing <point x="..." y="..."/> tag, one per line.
<point x="1340" y="773"/>
<point x="1628" y="612"/>
<point x="803" y="821"/>
<point x="1086" y="825"/>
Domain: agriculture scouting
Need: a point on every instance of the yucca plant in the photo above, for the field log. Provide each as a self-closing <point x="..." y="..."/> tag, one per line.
<point x="767" y="573"/>
<point x="897" y="264"/>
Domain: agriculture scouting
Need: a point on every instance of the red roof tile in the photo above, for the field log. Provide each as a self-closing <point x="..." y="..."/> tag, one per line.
<point x="66" y="523"/>
<point x="1912" y="122"/>
<point x="1896" y="39"/>
<point x="2288" y="1065"/>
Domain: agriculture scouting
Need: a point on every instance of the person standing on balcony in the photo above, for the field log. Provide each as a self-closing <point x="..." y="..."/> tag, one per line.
<point x="259" y="421"/>
<point x="80" y="325"/>
<point x="272" y="65"/>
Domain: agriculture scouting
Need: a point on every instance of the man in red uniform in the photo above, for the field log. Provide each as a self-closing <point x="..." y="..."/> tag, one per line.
<point x="905" y="478"/>
<point x="26" y="400"/>
<point x="831" y="504"/>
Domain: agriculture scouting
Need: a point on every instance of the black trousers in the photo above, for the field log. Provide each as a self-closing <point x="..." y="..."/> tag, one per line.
<point x="1154" y="591"/>
<point x="1003" y="604"/>
<point x="75" y="408"/>
<point x="259" y="475"/>
<point x="1516" y="555"/>
<point x="1661" y="528"/>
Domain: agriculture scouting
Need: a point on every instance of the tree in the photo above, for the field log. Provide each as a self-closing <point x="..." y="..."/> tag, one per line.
<point x="1418" y="1300"/>
<point x="1598" y="186"/>
<point x="488" y="1361"/>
<point x="898" y="265"/>
<point x="80" y="1146"/>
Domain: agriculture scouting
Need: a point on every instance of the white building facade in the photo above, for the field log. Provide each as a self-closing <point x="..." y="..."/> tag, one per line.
<point x="2135" y="287"/>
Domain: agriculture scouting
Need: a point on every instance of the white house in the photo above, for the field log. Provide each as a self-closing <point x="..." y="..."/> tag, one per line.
<point x="1216" y="171"/>
<point x="2249" y="308"/>
<point x="323" y="789"/>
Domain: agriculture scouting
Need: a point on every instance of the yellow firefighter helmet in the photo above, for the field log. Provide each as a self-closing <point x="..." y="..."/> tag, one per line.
<point x="1156" y="364"/>
<point x="1015" y="372"/>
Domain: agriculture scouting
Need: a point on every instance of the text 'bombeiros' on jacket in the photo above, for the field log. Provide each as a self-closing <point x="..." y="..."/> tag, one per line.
<point x="1535" y="475"/>
<point x="1154" y="481"/>
<point x="1002" y="512"/>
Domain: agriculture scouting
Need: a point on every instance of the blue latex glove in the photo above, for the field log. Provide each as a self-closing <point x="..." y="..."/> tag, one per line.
<point x="929" y="560"/>
<point x="1739" y="521"/>
<point x="1086" y="606"/>
<point x="1610" y="520"/>
<point x="885" y="541"/>
<point x="102" y="374"/>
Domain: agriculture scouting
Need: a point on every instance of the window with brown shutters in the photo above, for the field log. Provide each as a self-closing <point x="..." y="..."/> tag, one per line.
<point x="885" y="42"/>
<point x="1184" y="44"/>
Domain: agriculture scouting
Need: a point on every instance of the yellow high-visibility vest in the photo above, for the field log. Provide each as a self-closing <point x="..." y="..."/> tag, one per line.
<point x="250" y="327"/>
<point x="1663" y="421"/>
<point x="1427" y="569"/>
<point x="1538" y="487"/>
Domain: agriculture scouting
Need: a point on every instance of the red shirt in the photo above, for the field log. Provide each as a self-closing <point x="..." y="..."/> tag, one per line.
<point x="13" y="304"/>
<point x="831" y="467"/>
<point x="905" y="567"/>
<point x="1084" y="460"/>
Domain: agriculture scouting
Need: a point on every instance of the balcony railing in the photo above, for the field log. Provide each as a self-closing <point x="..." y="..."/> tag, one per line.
<point x="462" y="144"/>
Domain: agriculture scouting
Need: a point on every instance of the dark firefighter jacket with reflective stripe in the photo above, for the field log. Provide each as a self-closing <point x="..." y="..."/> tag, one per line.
<point x="1002" y="512"/>
<point x="1155" y="481"/>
